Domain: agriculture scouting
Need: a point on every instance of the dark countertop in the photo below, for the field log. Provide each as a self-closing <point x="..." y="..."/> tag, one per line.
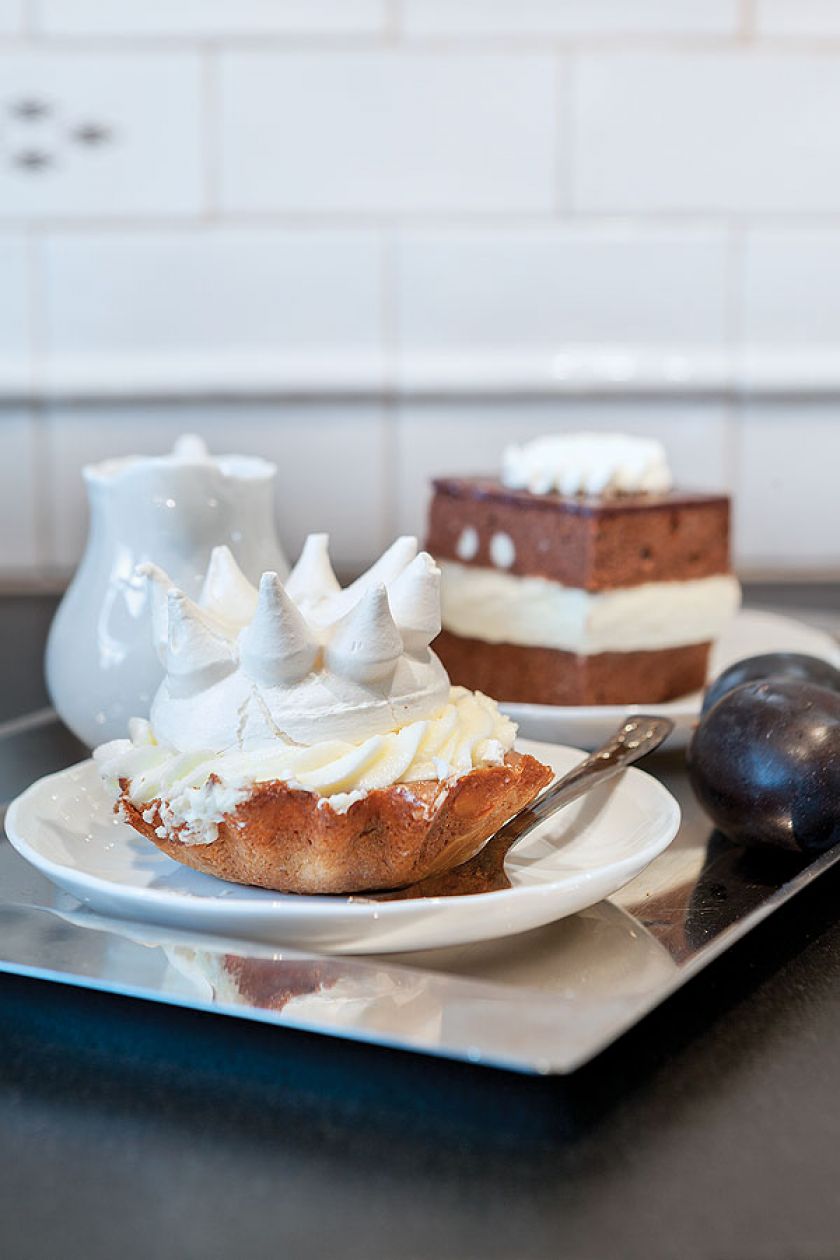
<point x="24" y="622"/>
<point x="712" y="1130"/>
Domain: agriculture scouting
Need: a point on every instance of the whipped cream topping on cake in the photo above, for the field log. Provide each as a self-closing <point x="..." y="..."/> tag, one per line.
<point x="604" y="464"/>
<point x="331" y="691"/>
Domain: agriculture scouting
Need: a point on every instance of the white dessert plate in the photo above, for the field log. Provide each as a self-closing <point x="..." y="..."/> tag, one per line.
<point x="752" y="633"/>
<point x="65" y="826"/>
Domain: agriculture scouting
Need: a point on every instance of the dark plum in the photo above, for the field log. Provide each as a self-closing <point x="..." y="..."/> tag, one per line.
<point x="764" y="763"/>
<point x="792" y="665"/>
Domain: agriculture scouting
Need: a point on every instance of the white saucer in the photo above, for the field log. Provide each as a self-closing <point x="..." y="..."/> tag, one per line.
<point x="752" y="633"/>
<point x="64" y="825"/>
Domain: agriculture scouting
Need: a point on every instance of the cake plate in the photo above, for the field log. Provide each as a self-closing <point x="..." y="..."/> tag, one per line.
<point x="65" y="825"/>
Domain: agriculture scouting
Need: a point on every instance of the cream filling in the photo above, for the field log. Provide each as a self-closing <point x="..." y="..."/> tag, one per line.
<point x="197" y="789"/>
<point x="496" y="607"/>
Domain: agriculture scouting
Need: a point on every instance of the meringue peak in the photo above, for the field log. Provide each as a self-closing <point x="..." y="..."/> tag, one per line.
<point x="276" y="648"/>
<point x="197" y="655"/>
<point x="415" y="602"/>
<point x="388" y="567"/>
<point x="226" y="592"/>
<point x="366" y="644"/>
<point x="312" y="579"/>
<point x="158" y="586"/>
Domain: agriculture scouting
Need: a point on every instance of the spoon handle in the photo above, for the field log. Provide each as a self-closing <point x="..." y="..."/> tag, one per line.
<point x="635" y="738"/>
<point x="485" y="872"/>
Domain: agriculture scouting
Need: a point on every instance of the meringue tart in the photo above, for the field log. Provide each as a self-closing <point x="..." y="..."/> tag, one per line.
<point x="305" y="737"/>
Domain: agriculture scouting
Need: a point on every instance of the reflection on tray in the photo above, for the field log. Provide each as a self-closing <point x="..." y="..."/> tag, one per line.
<point x="732" y="883"/>
<point x="319" y="992"/>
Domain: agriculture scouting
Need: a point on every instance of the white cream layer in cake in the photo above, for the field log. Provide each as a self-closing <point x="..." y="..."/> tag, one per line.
<point x="498" y="607"/>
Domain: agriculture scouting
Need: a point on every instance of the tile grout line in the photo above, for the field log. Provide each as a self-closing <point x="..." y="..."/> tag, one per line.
<point x="32" y="22"/>
<point x="393" y="30"/>
<point x="320" y="221"/>
<point x="42" y="518"/>
<point x="210" y="130"/>
<point x="392" y="34"/>
<point x="734" y="334"/>
<point x="390" y="332"/>
<point x="747" y="31"/>
<point x="567" y="75"/>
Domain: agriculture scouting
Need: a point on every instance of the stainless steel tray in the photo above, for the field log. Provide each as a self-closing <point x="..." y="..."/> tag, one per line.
<point x="543" y="1002"/>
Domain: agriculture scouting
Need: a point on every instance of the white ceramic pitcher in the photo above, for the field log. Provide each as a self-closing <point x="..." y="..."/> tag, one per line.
<point x="171" y="509"/>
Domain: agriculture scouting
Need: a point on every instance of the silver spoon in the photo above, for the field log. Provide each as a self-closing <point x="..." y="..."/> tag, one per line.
<point x="485" y="872"/>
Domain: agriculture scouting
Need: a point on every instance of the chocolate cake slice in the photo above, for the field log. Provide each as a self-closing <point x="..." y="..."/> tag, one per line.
<point x="579" y="599"/>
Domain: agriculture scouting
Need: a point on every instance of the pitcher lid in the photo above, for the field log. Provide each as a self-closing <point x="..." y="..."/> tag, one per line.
<point x="190" y="450"/>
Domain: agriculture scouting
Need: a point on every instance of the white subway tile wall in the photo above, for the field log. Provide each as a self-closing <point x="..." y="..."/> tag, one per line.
<point x="787" y="508"/>
<point x="21" y="551"/>
<point x="386" y="130"/>
<point x="719" y="131"/>
<point x="790" y="287"/>
<point x="571" y="17"/>
<point x="396" y="234"/>
<point x="193" y="18"/>
<point x="500" y="289"/>
<point x="209" y="300"/>
<point x="100" y="133"/>
<point x="797" y="17"/>
<point x="12" y="17"/>
<point x="15" y="310"/>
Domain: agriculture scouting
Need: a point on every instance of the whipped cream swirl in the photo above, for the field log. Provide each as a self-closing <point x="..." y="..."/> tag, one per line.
<point x="197" y="789"/>
<point x="605" y="464"/>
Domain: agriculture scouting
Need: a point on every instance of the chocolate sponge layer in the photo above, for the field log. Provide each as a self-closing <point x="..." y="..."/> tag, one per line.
<point x="536" y="675"/>
<point x="595" y="544"/>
